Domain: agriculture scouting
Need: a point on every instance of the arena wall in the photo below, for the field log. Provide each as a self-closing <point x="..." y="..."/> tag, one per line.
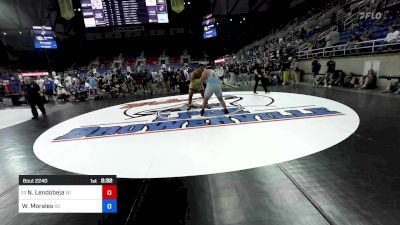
<point x="389" y="65"/>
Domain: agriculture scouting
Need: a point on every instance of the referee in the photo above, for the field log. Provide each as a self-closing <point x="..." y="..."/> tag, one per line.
<point x="260" y="76"/>
<point x="34" y="97"/>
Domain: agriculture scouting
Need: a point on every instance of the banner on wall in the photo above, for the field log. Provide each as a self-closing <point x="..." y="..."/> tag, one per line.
<point x="66" y="9"/>
<point x="34" y="74"/>
<point x="177" y="5"/>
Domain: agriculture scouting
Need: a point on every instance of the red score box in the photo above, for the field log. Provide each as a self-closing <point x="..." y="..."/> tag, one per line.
<point x="109" y="191"/>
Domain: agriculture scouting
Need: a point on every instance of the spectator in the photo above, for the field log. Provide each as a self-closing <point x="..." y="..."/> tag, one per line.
<point x="368" y="81"/>
<point x="285" y="70"/>
<point x="339" y="81"/>
<point x="49" y="88"/>
<point x="294" y="70"/>
<point x="367" y="35"/>
<point x="392" y="36"/>
<point x="393" y="87"/>
<point x="220" y="73"/>
<point x="78" y="89"/>
<point x="107" y="87"/>
<point x="92" y="80"/>
<point x="186" y="77"/>
<point x="302" y="33"/>
<point x="148" y="82"/>
<point x="100" y="83"/>
<point x="138" y="82"/>
<point x="340" y="26"/>
<point x="109" y="75"/>
<point x="159" y="81"/>
<point x="236" y="73"/>
<point x="62" y="93"/>
<point x="379" y="6"/>
<point x="67" y="81"/>
<point x="114" y="89"/>
<point x="383" y="22"/>
<point x="124" y="89"/>
<point x="269" y="68"/>
<point x="353" y="41"/>
<point x="40" y="82"/>
<point x="350" y="80"/>
<point x="278" y="71"/>
<point x="8" y="87"/>
<point x="15" y="86"/>
<point x="316" y="67"/>
<point x="57" y="83"/>
<point x="88" y="88"/>
<point x="330" y="72"/>
<point x="180" y="77"/>
<point x="333" y="19"/>
<point x="2" y="91"/>
<point x="355" y="38"/>
<point x="129" y="82"/>
<point x="353" y="26"/>
<point x="333" y="38"/>
<point x="173" y="83"/>
<point x="310" y="46"/>
<point x="396" y="23"/>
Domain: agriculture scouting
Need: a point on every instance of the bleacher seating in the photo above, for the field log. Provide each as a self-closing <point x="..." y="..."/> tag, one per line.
<point x="174" y="59"/>
<point x="152" y="61"/>
<point x="129" y="61"/>
<point x="5" y="76"/>
<point x="345" y="17"/>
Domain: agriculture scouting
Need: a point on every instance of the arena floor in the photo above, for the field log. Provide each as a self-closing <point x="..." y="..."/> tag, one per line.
<point x="354" y="182"/>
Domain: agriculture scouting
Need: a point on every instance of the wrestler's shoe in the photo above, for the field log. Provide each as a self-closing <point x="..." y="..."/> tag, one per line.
<point x="226" y="111"/>
<point x="202" y="112"/>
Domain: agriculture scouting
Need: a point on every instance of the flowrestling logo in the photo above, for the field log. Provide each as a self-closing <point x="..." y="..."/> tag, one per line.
<point x="371" y="15"/>
<point x="159" y="137"/>
<point x="171" y="115"/>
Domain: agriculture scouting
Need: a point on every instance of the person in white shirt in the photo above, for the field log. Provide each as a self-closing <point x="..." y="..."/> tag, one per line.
<point x="40" y="82"/>
<point x="392" y="36"/>
<point x="154" y="75"/>
<point x="62" y="93"/>
<point x="57" y="83"/>
<point x="333" y="38"/>
<point x="294" y="70"/>
<point x="67" y="81"/>
<point x="159" y="81"/>
<point x="88" y="88"/>
<point x="220" y="73"/>
<point x="186" y="74"/>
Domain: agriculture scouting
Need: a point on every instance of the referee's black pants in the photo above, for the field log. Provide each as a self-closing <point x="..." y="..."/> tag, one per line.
<point x="37" y="102"/>
<point x="263" y="83"/>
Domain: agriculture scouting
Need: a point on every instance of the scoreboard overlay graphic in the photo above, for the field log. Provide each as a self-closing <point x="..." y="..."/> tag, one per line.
<point x="67" y="194"/>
